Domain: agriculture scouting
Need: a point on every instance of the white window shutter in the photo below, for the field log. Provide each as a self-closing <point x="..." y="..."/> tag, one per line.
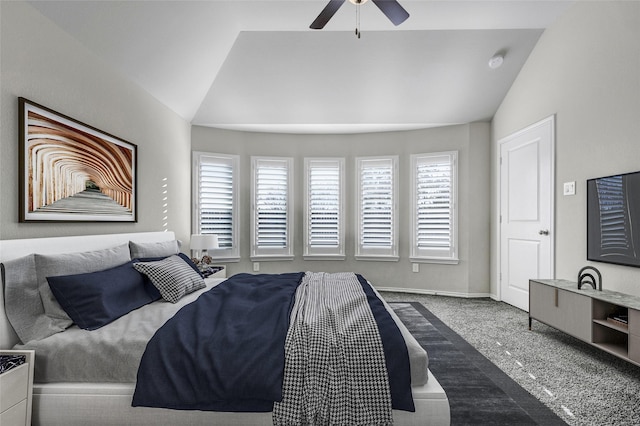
<point x="377" y="208"/>
<point x="272" y="207"/>
<point x="215" y="195"/>
<point x="434" y="206"/>
<point x="324" y="229"/>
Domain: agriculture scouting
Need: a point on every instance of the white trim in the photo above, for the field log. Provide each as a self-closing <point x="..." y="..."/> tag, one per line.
<point x="269" y="258"/>
<point x="381" y="258"/>
<point x="434" y="292"/>
<point x="441" y="261"/>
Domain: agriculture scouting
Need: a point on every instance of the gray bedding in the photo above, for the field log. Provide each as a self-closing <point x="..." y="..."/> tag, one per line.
<point x="111" y="354"/>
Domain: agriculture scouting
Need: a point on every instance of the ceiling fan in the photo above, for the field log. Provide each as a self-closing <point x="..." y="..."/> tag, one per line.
<point x="391" y="8"/>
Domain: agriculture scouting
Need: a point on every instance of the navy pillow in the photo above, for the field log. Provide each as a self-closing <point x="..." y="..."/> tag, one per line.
<point x="95" y="299"/>
<point x="151" y="289"/>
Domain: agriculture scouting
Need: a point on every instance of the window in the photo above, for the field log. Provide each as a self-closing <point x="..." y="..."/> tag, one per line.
<point x="215" y="183"/>
<point x="272" y="207"/>
<point x="324" y="205"/>
<point x="433" y="205"/>
<point x="377" y="189"/>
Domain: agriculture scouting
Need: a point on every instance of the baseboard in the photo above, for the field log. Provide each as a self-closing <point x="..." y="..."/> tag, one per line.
<point x="435" y="292"/>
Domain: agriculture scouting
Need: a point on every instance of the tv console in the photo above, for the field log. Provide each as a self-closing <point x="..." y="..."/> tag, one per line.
<point x="593" y="316"/>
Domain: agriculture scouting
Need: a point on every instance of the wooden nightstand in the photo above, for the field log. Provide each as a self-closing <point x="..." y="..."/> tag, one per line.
<point x="16" y="390"/>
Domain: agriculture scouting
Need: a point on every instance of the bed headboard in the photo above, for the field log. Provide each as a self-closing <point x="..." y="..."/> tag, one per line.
<point x="13" y="249"/>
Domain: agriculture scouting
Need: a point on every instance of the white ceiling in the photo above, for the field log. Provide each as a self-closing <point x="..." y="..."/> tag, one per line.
<point x="256" y="65"/>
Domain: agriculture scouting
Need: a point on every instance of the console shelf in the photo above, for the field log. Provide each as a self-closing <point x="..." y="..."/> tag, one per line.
<point x="608" y="324"/>
<point x="595" y="317"/>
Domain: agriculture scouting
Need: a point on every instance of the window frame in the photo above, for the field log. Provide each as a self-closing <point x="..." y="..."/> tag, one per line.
<point x="271" y="253"/>
<point x="324" y="253"/>
<point x="376" y="253"/>
<point x="435" y="254"/>
<point x="231" y="254"/>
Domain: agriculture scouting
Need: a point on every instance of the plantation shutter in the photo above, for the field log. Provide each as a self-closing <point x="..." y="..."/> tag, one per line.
<point x="216" y="199"/>
<point x="215" y="195"/>
<point x="434" y="205"/>
<point x="323" y="209"/>
<point x="272" y="206"/>
<point x="377" y="207"/>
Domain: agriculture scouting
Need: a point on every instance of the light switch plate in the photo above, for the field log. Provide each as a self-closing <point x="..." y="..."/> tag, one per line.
<point x="570" y="188"/>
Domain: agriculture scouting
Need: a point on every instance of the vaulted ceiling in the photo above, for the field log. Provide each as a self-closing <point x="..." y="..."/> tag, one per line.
<point x="256" y="65"/>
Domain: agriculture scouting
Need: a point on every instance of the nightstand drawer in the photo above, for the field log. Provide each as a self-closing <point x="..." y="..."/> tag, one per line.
<point x="15" y="416"/>
<point x="14" y="385"/>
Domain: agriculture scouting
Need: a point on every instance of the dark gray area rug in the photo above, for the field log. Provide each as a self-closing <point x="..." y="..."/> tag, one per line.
<point x="479" y="393"/>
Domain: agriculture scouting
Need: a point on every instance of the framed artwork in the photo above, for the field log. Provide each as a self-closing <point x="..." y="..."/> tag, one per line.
<point x="72" y="172"/>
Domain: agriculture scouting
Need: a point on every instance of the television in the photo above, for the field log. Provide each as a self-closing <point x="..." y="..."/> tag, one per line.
<point x="613" y="219"/>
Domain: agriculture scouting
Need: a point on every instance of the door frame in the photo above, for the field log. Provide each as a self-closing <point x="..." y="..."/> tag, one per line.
<point x="498" y="253"/>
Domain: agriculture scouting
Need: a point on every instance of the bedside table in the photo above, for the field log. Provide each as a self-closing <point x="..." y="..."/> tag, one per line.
<point x="218" y="271"/>
<point x="16" y="390"/>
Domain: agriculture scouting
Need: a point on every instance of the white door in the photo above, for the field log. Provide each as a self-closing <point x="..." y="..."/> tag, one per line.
<point x="526" y="210"/>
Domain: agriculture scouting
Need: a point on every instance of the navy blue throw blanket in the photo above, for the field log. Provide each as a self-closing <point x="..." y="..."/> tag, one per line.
<point x="225" y="351"/>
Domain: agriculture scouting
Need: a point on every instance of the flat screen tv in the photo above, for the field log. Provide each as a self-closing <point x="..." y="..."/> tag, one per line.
<point x="613" y="219"/>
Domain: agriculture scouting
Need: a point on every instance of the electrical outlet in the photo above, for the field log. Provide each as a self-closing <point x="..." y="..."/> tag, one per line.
<point x="256" y="266"/>
<point x="415" y="267"/>
<point x="570" y="188"/>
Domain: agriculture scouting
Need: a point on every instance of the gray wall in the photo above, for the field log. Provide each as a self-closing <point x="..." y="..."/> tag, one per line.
<point x="42" y="63"/>
<point x="586" y="70"/>
<point x="470" y="277"/>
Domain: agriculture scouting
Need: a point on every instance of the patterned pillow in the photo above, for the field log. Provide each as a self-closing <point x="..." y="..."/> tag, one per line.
<point x="172" y="276"/>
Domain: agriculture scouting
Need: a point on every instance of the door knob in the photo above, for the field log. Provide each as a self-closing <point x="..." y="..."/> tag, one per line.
<point x="543" y="232"/>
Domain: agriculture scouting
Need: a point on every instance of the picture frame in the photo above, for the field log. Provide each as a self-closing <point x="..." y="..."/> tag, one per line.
<point x="72" y="172"/>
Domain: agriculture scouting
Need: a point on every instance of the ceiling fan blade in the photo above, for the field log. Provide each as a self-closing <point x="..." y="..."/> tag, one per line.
<point x="393" y="10"/>
<point x="326" y="14"/>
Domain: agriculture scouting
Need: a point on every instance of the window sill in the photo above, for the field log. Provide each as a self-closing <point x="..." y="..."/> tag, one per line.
<point x="271" y="258"/>
<point x="225" y="259"/>
<point x="435" y="260"/>
<point x="378" y="258"/>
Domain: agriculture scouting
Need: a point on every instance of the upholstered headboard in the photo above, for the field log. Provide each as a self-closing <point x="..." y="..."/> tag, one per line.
<point x="13" y="249"/>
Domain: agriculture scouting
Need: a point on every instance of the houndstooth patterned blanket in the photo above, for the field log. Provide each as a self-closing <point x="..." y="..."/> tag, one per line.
<point x="335" y="371"/>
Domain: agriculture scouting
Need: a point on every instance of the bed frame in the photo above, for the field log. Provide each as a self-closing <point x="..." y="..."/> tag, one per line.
<point x="110" y="404"/>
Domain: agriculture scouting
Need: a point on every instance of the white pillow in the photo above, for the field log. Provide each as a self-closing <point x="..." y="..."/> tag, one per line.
<point x="161" y="249"/>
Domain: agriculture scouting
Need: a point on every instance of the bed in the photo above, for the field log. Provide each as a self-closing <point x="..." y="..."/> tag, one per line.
<point x="91" y="400"/>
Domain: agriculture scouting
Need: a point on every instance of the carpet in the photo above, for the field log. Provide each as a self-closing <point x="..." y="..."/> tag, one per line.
<point x="479" y="393"/>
